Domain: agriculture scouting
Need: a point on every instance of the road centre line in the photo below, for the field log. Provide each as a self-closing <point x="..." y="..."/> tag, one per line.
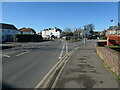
<point x="23" y="53"/>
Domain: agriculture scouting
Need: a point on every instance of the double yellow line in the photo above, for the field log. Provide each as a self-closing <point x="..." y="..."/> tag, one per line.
<point x="48" y="77"/>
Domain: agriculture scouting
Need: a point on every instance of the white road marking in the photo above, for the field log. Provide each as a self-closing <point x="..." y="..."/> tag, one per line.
<point x="47" y="78"/>
<point x="66" y="48"/>
<point x="9" y="52"/>
<point x="95" y="44"/>
<point x="23" y="53"/>
<point x="6" y="55"/>
<point x="61" y="53"/>
<point x="61" y="40"/>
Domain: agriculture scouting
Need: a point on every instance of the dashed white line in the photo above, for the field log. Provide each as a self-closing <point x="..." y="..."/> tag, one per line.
<point x="22" y="53"/>
<point x="5" y="56"/>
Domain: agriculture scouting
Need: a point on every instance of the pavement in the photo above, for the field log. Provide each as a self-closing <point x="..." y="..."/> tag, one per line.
<point x="86" y="70"/>
<point x="25" y="66"/>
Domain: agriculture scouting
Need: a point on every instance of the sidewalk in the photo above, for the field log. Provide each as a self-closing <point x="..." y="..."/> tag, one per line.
<point x="86" y="70"/>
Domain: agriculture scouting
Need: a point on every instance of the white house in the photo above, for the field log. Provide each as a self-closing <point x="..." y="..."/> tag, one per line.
<point x="114" y="30"/>
<point x="7" y="32"/>
<point x="47" y="33"/>
<point x="27" y="31"/>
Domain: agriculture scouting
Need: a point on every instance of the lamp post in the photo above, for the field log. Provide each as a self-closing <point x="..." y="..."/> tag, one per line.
<point x="113" y="25"/>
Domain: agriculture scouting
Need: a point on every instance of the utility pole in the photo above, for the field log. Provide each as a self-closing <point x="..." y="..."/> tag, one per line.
<point x="84" y="37"/>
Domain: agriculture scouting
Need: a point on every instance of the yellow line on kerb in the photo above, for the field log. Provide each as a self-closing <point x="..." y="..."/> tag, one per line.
<point x="41" y="83"/>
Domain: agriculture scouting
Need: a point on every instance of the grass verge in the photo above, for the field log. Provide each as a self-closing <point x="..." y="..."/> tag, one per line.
<point x="73" y="40"/>
<point x="112" y="46"/>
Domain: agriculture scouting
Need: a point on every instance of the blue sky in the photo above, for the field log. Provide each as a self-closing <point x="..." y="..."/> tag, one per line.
<point x="41" y="15"/>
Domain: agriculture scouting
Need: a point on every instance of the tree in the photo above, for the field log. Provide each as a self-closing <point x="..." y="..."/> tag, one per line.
<point x="68" y="33"/>
<point x="77" y="32"/>
<point x="67" y="30"/>
<point x="90" y="28"/>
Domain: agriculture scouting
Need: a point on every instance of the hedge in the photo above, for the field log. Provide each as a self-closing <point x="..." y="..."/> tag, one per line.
<point x="27" y="38"/>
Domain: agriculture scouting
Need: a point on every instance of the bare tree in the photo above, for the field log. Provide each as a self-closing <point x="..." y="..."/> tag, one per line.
<point x="90" y="28"/>
<point x="77" y="32"/>
<point x="68" y="33"/>
<point x="67" y="30"/>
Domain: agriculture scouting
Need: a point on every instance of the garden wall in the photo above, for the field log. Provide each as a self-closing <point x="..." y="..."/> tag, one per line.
<point x="111" y="58"/>
<point x="28" y="38"/>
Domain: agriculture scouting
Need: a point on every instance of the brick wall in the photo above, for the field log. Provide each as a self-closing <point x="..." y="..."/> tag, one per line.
<point x="111" y="58"/>
<point x="101" y="43"/>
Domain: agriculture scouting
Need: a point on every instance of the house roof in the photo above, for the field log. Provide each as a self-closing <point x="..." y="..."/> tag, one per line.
<point x="7" y="26"/>
<point x="26" y="30"/>
<point x="114" y="27"/>
<point x="58" y="30"/>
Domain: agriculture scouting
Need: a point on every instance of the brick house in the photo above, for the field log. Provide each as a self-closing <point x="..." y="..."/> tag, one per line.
<point x="113" y="36"/>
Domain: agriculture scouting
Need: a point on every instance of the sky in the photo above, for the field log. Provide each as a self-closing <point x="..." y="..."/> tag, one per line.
<point x="60" y="0"/>
<point x="43" y="15"/>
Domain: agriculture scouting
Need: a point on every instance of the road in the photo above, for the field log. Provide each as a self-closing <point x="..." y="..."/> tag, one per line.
<point x="25" y="66"/>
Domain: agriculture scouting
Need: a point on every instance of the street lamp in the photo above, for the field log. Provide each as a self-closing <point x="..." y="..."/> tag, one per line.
<point x="113" y="24"/>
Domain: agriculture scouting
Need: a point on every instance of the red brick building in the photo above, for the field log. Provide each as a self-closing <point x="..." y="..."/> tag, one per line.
<point x="113" y="40"/>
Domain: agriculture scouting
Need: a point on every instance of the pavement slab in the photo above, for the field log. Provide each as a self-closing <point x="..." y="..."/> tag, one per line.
<point x="86" y="70"/>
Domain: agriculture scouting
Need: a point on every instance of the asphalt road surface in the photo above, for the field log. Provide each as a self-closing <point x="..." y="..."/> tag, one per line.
<point x="25" y="66"/>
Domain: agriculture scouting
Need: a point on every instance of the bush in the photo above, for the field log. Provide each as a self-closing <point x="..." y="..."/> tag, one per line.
<point x="104" y="37"/>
